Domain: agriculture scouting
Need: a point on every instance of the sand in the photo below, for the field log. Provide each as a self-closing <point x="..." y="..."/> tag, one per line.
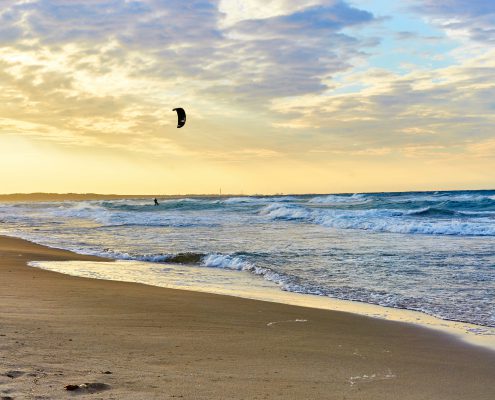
<point x="131" y="341"/>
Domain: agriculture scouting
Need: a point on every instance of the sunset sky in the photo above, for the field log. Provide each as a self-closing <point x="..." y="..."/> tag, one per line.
<point x="306" y="96"/>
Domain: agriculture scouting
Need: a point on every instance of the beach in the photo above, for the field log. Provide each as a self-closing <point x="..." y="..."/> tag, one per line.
<point x="134" y="341"/>
<point x="247" y="200"/>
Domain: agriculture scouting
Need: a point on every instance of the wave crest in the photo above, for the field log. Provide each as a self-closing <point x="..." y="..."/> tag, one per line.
<point x="225" y="261"/>
<point x="382" y="220"/>
<point x="339" y="199"/>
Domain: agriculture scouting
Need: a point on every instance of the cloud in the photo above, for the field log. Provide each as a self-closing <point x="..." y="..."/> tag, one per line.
<point x="100" y="71"/>
<point x="240" y="10"/>
<point x="420" y="114"/>
<point x="108" y="73"/>
<point x="474" y="19"/>
<point x="291" y="52"/>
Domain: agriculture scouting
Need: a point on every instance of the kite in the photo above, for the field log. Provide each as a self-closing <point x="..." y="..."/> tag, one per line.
<point x="181" y="117"/>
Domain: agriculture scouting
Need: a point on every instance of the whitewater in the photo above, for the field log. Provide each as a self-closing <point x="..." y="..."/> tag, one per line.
<point x="432" y="252"/>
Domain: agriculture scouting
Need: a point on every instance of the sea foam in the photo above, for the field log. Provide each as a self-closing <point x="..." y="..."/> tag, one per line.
<point x="382" y="220"/>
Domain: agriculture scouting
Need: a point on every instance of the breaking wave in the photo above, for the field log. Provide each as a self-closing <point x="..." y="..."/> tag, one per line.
<point x="339" y="199"/>
<point x="384" y="220"/>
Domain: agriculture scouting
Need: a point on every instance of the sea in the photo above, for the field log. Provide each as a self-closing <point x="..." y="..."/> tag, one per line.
<point x="430" y="252"/>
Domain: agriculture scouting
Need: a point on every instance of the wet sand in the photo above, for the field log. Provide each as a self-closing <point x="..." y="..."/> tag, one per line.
<point x="141" y="342"/>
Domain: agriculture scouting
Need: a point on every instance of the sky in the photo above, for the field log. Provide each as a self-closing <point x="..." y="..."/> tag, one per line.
<point x="282" y="96"/>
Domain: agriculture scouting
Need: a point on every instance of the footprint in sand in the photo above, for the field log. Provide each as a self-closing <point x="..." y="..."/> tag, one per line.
<point x="13" y="374"/>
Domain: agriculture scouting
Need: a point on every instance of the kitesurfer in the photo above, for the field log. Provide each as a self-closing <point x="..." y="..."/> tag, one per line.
<point x="156" y="202"/>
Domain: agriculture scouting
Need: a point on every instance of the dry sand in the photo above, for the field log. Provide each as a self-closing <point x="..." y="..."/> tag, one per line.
<point x="158" y="343"/>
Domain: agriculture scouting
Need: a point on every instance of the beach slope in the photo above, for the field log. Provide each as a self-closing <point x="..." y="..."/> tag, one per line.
<point x="130" y="341"/>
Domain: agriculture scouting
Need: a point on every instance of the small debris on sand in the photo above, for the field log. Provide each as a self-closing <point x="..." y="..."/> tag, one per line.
<point x="94" y="387"/>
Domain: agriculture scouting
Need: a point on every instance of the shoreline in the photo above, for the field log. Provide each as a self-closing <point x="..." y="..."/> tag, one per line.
<point x="149" y="342"/>
<point x="464" y="332"/>
<point x="477" y="335"/>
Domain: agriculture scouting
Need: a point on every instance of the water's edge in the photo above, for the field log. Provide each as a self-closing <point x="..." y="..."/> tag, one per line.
<point x="468" y="333"/>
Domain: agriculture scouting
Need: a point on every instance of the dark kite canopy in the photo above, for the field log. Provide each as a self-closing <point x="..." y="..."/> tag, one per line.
<point x="181" y="117"/>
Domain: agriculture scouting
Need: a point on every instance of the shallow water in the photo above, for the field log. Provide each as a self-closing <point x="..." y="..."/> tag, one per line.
<point x="429" y="252"/>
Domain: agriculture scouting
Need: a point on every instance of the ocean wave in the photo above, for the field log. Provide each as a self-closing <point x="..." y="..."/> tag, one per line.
<point x="105" y="217"/>
<point x="339" y="199"/>
<point x="294" y="284"/>
<point x="185" y="204"/>
<point x="191" y="258"/>
<point x="298" y="212"/>
<point x="81" y="210"/>
<point x="240" y="200"/>
<point x="225" y="261"/>
<point x="447" y="213"/>
<point x="239" y="263"/>
<point x="286" y="211"/>
<point x="257" y="200"/>
<point x="380" y="220"/>
<point x="185" y="258"/>
<point x="465" y="197"/>
<point x="459" y="200"/>
<point x="432" y="212"/>
<point x="154" y="221"/>
<point x="211" y="260"/>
